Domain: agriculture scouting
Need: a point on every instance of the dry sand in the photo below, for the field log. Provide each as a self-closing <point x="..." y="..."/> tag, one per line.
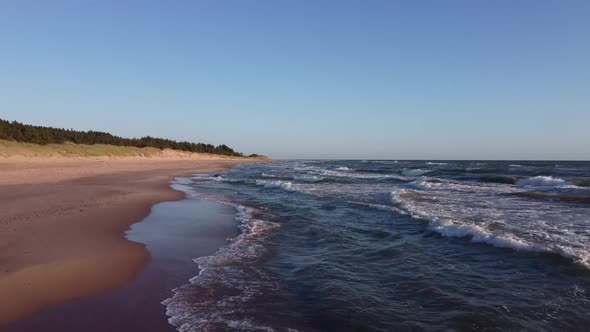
<point x="62" y="223"/>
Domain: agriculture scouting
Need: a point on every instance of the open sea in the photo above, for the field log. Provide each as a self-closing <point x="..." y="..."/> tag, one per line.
<point x="395" y="246"/>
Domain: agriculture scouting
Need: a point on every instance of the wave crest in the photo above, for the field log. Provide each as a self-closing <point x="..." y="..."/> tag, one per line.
<point x="275" y="184"/>
<point x="307" y="178"/>
<point x="414" y="172"/>
<point x="448" y="225"/>
<point x="542" y="181"/>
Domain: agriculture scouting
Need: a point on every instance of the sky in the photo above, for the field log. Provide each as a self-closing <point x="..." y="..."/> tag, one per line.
<point x="308" y="79"/>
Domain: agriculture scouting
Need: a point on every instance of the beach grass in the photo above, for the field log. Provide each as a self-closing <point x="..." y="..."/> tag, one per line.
<point x="14" y="149"/>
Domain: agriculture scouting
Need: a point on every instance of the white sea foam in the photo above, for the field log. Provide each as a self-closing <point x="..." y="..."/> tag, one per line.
<point x="209" y="177"/>
<point x="415" y="172"/>
<point x="423" y="185"/>
<point x="211" y="299"/>
<point x="460" y="186"/>
<point x="268" y="175"/>
<point x="275" y="184"/>
<point x="436" y="163"/>
<point x="481" y="235"/>
<point x="476" y="216"/>
<point x="326" y="172"/>
<point x="343" y="168"/>
<point x="450" y="228"/>
<point x="184" y="185"/>
<point x="542" y="181"/>
<point x="379" y="206"/>
<point x="395" y="197"/>
<point x="307" y="178"/>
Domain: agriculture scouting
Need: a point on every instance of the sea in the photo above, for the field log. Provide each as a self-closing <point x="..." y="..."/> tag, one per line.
<point x="386" y="245"/>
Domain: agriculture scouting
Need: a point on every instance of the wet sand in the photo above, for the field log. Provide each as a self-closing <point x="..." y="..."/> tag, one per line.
<point x="174" y="233"/>
<point x="62" y="223"/>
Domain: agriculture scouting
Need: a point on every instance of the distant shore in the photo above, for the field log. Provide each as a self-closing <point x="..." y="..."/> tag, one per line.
<point x="63" y="221"/>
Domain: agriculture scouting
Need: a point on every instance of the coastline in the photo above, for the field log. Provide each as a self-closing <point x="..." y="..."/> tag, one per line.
<point x="63" y="240"/>
<point x="174" y="233"/>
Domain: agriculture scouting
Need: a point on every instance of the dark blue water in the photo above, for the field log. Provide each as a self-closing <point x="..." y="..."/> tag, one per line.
<point x="395" y="246"/>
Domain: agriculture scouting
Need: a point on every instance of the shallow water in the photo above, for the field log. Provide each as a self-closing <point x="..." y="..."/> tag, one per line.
<point x="395" y="245"/>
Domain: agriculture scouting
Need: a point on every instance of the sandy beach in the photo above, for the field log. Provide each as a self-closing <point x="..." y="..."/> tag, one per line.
<point x="63" y="221"/>
<point x="174" y="234"/>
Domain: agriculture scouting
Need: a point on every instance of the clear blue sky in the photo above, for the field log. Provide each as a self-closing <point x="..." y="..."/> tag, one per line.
<point x="309" y="79"/>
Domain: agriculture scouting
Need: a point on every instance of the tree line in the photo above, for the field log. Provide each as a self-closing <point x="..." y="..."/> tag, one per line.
<point x="20" y="132"/>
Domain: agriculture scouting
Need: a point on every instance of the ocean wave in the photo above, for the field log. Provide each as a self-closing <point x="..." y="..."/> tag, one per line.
<point x="394" y="196"/>
<point x="367" y="176"/>
<point x="424" y="185"/>
<point x="208" y="177"/>
<point x="184" y="185"/>
<point x="479" y="234"/>
<point x="268" y="175"/>
<point x="218" y="178"/>
<point x="542" y="181"/>
<point x="385" y="162"/>
<point x="506" y="179"/>
<point x="307" y="178"/>
<point x="452" y="220"/>
<point x="381" y="207"/>
<point x="372" y="171"/>
<point x="553" y="196"/>
<point x="275" y="184"/>
<point x="343" y="168"/>
<point x="436" y="163"/>
<point x="457" y="186"/>
<point x="461" y="170"/>
<point x="415" y="172"/>
<point x="218" y="297"/>
<point x="536" y="181"/>
<point x="448" y="226"/>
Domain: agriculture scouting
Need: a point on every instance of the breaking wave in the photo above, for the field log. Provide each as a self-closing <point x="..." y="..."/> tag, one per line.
<point x="414" y="172"/>
<point x="308" y="178"/>
<point x="275" y="184"/>
<point x="542" y="181"/>
<point x="351" y="175"/>
<point x="450" y="225"/>
<point x="379" y="235"/>
<point x="424" y="185"/>
<point x="227" y="283"/>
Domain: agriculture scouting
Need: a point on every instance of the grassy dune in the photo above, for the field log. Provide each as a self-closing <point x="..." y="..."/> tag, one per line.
<point x="15" y="149"/>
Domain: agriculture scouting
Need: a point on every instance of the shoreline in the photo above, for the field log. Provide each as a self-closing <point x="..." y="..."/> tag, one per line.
<point x="62" y="240"/>
<point x="174" y="233"/>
